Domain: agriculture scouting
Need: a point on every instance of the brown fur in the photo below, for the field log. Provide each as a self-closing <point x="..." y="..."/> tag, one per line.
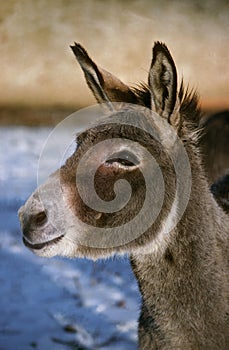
<point x="214" y="144"/>
<point x="183" y="274"/>
<point x="220" y="190"/>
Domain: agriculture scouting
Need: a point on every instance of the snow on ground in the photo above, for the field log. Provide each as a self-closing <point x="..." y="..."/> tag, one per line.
<point x="56" y="304"/>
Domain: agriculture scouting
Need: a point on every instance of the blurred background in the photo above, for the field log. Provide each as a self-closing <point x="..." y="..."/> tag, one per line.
<point x="61" y="304"/>
<point x="41" y="81"/>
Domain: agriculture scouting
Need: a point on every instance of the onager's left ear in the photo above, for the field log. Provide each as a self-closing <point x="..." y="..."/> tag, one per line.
<point x="163" y="81"/>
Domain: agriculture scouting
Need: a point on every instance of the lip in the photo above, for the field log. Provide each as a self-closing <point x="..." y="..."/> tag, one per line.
<point x="39" y="246"/>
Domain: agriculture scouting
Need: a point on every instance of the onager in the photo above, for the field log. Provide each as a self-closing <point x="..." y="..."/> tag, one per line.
<point x="220" y="190"/>
<point x="214" y="143"/>
<point x="182" y="269"/>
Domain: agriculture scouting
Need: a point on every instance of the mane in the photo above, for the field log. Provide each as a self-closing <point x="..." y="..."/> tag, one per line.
<point x="189" y="107"/>
<point x="189" y="103"/>
<point x="142" y="92"/>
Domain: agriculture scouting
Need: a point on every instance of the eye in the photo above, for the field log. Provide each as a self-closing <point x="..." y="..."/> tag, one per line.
<point x="123" y="158"/>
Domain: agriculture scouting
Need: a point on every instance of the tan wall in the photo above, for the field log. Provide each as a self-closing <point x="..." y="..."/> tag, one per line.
<point x="38" y="68"/>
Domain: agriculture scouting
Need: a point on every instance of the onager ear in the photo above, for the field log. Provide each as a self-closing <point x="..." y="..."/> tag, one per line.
<point x="105" y="86"/>
<point x="163" y="81"/>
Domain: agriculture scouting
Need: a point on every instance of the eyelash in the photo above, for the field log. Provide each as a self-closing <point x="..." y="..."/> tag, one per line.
<point x="123" y="160"/>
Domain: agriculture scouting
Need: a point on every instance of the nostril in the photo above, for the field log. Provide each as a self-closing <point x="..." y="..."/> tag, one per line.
<point x="40" y="219"/>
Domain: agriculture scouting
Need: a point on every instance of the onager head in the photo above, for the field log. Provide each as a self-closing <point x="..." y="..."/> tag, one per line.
<point x="135" y="185"/>
<point x="131" y="156"/>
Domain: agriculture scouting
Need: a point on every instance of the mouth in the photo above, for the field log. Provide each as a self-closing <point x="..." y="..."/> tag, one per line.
<point x="39" y="246"/>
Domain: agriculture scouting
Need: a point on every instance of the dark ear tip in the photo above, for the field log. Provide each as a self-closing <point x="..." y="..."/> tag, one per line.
<point x="79" y="51"/>
<point x="159" y="44"/>
<point x="77" y="48"/>
<point x="160" y="47"/>
<point x="83" y="58"/>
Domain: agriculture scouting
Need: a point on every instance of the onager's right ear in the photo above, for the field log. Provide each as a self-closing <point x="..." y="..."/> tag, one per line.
<point x="105" y="86"/>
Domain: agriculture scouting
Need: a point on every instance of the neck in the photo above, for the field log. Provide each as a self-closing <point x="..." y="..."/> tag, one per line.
<point x="183" y="287"/>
